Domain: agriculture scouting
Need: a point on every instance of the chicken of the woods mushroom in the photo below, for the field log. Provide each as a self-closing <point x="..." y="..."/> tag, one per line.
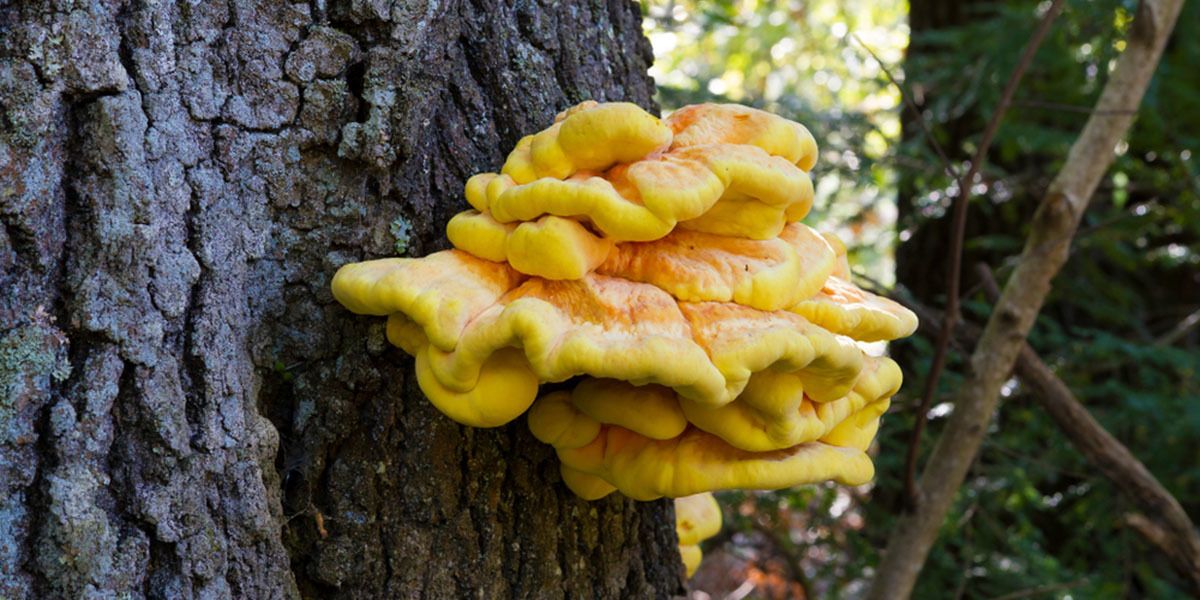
<point x="703" y="337"/>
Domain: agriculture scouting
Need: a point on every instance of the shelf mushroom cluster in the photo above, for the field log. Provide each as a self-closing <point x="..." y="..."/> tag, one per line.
<point x="701" y="337"/>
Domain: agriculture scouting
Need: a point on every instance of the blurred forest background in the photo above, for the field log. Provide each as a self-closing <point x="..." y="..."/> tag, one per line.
<point x="1034" y="519"/>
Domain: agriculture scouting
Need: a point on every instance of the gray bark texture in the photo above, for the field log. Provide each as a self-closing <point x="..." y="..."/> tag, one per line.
<point x="184" y="409"/>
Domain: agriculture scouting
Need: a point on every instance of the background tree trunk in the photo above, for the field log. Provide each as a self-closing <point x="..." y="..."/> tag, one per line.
<point x="185" y="410"/>
<point x="920" y="258"/>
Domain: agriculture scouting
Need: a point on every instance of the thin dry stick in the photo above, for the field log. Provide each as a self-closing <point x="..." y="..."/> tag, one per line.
<point x="905" y="97"/>
<point x="1084" y="110"/>
<point x="1052" y="227"/>
<point x="1179" y="330"/>
<point x="1041" y="590"/>
<point x="958" y="231"/>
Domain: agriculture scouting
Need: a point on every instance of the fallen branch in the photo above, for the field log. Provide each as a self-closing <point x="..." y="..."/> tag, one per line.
<point x="1052" y="228"/>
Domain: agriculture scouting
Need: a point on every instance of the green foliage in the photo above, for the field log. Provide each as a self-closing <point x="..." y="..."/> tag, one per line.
<point x="1033" y="513"/>
<point x="796" y="59"/>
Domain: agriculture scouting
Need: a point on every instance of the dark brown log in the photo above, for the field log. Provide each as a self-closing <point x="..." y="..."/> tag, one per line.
<point x="185" y="410"/>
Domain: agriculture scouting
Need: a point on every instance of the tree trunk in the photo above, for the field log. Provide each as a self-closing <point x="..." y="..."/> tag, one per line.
<point x="920" y="259"/>
<point x="185" y="410"/>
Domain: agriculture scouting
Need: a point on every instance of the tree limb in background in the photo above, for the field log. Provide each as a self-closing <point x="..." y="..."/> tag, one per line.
<point x="1168" y="528"/>
<point x="906" y="97"/>
<point x="958" y="225"/>
<point x="1045" y="251"/>
<point x="1167" y="525"/>
<point x="1177" y="537"/>
<point x="1179" y="330"/>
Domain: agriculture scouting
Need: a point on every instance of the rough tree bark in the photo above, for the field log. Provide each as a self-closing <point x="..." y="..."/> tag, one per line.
<point x="184" y="409"/>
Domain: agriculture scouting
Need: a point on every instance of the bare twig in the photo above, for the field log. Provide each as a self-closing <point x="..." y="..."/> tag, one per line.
<point x="1041" y="590"/>
<point x="987" y="281"/>
<point x="1166" y="541"/>
<point x="1179" y="330"/>
<point x="1175" y="533"/>
<point x="905" y="97"/>
<point x="1051" y="230"/>
<point x="1074" y="108"/>
<point x="958" y="232"/>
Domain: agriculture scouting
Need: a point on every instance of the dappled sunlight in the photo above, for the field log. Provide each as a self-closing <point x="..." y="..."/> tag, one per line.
<point x="806" y="61"/>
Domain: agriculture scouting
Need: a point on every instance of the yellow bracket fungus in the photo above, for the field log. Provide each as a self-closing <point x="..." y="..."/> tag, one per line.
<point x="601" y="326"/>
<point x="650" y="410"/>
<point x="556" y="421"/>
<point x="742" y="341"/>
<point x="645" y="469"/>
<point x="550" y="247"/>
<point x="772" y="420"/>
<point x="440" y="292"/>
<point x="773" y="412"/>
<point x="691" y="556"/>
<point x="589" y="137"/>
<point x="697" y="518"/>
<point x="769" y="275"/>
<point x="478" y="234"/>
<point x="703" y="124"/>
<point x="587" y="487"/>
<point x="842" y="264"/>
<point x="503" y="389"/>
<point x="709" y="339"/>
<point x="846" y="309"/>
<point x="644" y="200"/>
